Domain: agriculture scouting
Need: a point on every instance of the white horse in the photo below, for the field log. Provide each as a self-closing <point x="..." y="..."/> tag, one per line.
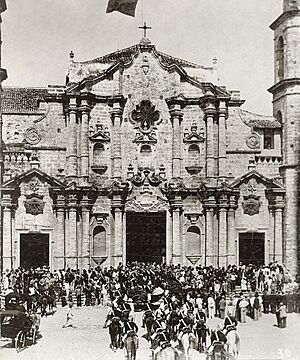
<point x="188" y="341"/>
<point x="233" y="344"/>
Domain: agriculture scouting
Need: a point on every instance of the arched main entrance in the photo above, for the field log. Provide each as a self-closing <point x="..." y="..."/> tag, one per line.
<point x="146" y="237"/>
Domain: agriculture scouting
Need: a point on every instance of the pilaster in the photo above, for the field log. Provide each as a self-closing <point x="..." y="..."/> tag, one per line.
<point x="8" y="253"/>
<point x="116" y="113"/>
<point x="84" y="140"/>
<point x="85" y="248"/>
<point x="71" y="243"/>
<point x="232" y="235"/>
<point x="278" y="233"/>
<point x="176" y="118"/>
<point x="222" y="140"/>
<point x="210" y="112"/>
<point x="223" y="241"/>
<point x="71" y="156"/>
<point x="117" y="206"/>
<point x="59" y="249"/>
<point x="210" y="248"/>
<point x="176" y="232"/>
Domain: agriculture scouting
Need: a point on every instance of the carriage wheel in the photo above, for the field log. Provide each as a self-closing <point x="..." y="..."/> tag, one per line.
<point x="20" y="341"/>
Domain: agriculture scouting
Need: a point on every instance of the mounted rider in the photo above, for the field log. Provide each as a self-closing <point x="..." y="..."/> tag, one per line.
<point x="230" y="323"/>
<point x="129" y="328"/>
<point x="218" y="340"/>
<point x="186" y="324"/>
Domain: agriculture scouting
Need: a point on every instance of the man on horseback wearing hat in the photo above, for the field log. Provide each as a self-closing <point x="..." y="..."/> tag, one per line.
<point x="230" y="323"/>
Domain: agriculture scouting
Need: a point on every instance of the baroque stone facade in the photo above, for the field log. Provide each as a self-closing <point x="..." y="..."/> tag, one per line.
<point x="142" y="156"/>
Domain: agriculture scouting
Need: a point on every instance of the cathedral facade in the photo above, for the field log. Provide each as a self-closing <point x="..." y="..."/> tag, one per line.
<point x="141" y="156"/>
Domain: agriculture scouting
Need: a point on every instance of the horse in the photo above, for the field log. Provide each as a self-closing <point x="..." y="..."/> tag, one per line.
<point x="115" y="333"/>
<point x="131" y="345"/>
<point x="233" y="344"/>
<point x="173" y="321"/>
<point x="149" y="321"/>
<point x="167" y="353"/>
<point x="201" y="331"/>
<point x="188" y="341"/>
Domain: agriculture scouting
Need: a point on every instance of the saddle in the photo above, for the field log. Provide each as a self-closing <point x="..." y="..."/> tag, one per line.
<point x="230" y="328"/>
<point x="131" y="333"/>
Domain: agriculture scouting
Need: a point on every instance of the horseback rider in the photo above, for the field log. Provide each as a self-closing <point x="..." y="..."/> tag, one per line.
<point x="186" y="324"/>
<point x="218" y="340"/>
<point x="148" y="313"/>
<point x="230" y="323"/>
<point x="161" y="339"/>
<point x="129" y="327"/>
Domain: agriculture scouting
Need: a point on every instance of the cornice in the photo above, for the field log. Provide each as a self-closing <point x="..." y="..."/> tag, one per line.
<point x="283" y="84"/>
<point x="284" y="17"/>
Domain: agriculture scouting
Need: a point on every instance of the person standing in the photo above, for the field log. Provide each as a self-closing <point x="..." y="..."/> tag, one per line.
<point x="222" y="307"/>
<point x="243" y="305"/>
<point x="256" y="306"/>
<point x="211" y="307"/>
<point x="282" y="315"/>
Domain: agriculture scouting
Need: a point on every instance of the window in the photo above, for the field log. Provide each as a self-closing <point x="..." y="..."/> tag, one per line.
<point x="194" y="154"/>
<point x="99" y="241"/>
<point x="98" y="154"/>
<point x="280" y="58"/>
<point x="268" y="139"/>
<point x="193" y="241"/>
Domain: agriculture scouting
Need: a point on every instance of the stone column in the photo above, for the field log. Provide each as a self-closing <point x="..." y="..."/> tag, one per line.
<point x="223" y="230"/>
<point x="278" y="234"/>
<point x="118" y="241"/>
<point x="232" y="240"/>
<point x="210" y="112"/>
<point x="169" y="237"/>
<point x="116" y="151"/>
<point x="72" y="140"/>
<point x="210" y="252"/>
<point x="8" y="255"/>
<point x="84" y="143"/>
<point x="176" y="232"/>
<point x="59" y="251"/>
<point x="71" y="245"/>
<point x="176" y="117"/>
<point x="85" y="244"/>
<point x="222" y="140"/>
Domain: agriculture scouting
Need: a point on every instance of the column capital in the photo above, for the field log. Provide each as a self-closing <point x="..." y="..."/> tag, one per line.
<point x="176" y="103"/>
<point x="210" y="203"/>
<point x="7" y="202"/>
<point x="85" y="204"/>
<point x="60" y="202"/>
<point x="72" y="202"/>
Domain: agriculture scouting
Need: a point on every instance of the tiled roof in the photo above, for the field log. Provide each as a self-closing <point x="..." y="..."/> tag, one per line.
<point x="17" y="100"/>
<point x="259" y="121"/>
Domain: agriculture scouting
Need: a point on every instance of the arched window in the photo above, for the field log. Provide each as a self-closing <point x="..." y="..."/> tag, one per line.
<point x="99" y="241"/>
<point x="193" y="241"/>
<point x="280" y="58"/>
<point x="145" y="150"/>
<point x="98" y="154"/>
<point x="194" y="154"/>
<point x="279" y="116"/>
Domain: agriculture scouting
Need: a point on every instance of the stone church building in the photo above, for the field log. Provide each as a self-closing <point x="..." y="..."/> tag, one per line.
<point x="142" y="156"/>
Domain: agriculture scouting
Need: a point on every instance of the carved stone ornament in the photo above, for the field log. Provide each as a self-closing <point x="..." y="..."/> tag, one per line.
<point x="32" y="136"/>
<point x="253" y="141"/>
<point x="145" y="116"/>
<point x="34" y="204"/>
<point x="251" y="205"/>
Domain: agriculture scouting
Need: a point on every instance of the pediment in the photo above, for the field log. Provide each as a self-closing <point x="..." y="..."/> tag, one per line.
<point x="27" y="176"/>
<point x="100" y="136"/>
<point x="253" y="174"/>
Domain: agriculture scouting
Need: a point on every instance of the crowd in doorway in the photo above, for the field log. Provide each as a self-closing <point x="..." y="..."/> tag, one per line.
<point x="256" y="288"/>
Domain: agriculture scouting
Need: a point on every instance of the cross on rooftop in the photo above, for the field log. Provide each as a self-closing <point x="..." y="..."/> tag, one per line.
<point x="145" y="28"/>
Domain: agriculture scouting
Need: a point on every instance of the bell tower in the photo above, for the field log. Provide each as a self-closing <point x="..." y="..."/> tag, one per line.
<point x="286" y="108"/>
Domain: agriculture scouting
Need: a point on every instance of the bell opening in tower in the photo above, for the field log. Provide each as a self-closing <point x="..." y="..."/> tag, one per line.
<point x="146" y="237"/>
<point x="34" y="250"/>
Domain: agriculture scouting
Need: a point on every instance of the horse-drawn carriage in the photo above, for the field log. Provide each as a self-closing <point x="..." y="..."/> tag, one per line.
<point x="19" y="327"/>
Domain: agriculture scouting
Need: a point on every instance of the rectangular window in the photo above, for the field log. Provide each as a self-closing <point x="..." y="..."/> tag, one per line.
<point x="268" y="139"/>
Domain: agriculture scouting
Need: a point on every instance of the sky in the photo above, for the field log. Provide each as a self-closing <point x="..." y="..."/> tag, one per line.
<point x="38" y="35"/>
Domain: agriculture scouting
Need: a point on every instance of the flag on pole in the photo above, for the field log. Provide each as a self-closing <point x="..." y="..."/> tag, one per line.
<point x="126" y="7"/>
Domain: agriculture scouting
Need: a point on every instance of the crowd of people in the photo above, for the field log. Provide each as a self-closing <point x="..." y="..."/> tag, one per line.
<point x="235" y="292"/>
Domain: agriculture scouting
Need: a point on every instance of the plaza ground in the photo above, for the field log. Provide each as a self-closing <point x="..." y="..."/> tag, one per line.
<point x="260" y="340"/>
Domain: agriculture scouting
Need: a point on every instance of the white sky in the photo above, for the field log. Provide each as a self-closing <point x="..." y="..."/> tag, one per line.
<point x="39" y="34"/>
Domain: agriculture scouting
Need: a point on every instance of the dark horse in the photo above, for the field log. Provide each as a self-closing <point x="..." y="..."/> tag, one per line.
<point x="202" y="331"/>
<point x="149" y="321"/>
<point x="115" y="330"/>
<point x="173" y="321"/>
<point x="131" y="345"/>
